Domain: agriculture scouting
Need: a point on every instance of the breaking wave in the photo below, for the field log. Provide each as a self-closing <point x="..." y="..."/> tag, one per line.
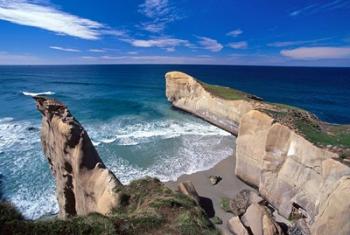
<point x="33" y="94"/>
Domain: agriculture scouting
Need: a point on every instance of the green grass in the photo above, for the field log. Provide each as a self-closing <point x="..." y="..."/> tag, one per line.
<point x="225" y="204"/>
<point x="300" y="120"/>
<point x="336" y="136"/>
<point x="146" y="207"/>
<point x="225" y="92"/>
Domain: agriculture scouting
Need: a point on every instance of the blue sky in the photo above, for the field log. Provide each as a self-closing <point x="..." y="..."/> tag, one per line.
<point x="251" y="32"/>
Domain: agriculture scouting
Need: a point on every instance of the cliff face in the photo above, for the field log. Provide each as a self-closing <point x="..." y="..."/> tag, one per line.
<point x="187" y="94"/>
<point x="295" y="176"/>
<point x="83" y="184"/>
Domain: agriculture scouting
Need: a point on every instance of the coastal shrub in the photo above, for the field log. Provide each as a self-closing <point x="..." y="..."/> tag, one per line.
<point x="146" y="207"/>
<point x="225" y="204"/>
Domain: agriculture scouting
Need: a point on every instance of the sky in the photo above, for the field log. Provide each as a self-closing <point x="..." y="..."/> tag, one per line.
<point x="245" y="32"/>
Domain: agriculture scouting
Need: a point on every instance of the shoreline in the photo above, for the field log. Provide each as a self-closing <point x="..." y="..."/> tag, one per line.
<point x="210" y="195"/>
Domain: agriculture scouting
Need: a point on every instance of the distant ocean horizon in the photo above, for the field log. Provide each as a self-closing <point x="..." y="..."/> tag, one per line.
<point x="131" y="123"/>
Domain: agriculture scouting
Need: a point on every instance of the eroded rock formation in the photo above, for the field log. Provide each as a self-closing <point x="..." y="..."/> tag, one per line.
<point x="185" y="93"/>
<point x="83" y="183"/>
<point x="294" y="175"/>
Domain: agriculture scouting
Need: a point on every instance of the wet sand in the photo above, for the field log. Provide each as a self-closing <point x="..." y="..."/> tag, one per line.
<point x="210" y="194"/>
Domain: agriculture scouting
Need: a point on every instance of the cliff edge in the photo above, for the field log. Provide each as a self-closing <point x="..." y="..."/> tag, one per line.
<point x="83" y="183"/>
<point x="298" y="163"/>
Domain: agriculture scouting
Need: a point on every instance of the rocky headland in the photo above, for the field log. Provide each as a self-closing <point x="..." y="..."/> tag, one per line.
<point x="289" y="174"/>
<point x="298" y="163"/>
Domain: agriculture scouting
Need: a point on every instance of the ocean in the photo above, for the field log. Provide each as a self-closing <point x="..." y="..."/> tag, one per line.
<point x="131" y="123"/>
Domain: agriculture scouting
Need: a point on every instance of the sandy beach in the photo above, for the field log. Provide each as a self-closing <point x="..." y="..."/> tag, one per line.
<point x="210" y="194"/>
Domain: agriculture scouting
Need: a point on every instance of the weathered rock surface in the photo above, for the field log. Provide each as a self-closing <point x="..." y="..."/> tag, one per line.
<point x="260" y="222"/>
<point x="83" y="184"/>
<point x="186" y="93"/>
<point x="188" y="189"/>
<point x="243" y="200"/>
<point x="289" y="171"/>
<point x="236" y="227"/>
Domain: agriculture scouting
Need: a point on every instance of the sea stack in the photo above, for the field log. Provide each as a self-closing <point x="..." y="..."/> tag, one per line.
<point x="83" y="183"/>
<point x="276" y="152"/>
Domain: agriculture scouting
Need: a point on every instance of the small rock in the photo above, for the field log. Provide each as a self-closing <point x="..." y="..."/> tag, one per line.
<point x="216" y="220"/>
<point x="31" y="128"/>
<point x="214" y="179"/>
<point x="236" y="227"/>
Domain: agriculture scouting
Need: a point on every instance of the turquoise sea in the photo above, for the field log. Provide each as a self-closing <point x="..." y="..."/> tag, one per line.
<point x="134" y="128"/>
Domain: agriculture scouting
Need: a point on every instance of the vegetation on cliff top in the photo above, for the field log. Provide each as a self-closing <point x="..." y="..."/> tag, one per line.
<point x="226" y="93"/>
<point x="334" y="137"/>
<point x="147" y="207"/>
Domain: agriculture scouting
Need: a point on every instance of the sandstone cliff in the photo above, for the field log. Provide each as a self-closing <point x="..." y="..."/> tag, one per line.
<point x="186" y="93"/>
<point x="277" y="151"/>
<point x="83" y="184"/>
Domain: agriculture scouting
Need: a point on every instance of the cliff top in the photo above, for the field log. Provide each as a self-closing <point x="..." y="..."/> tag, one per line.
<point x="147" y="207"/>
<point x="336" y="138"/>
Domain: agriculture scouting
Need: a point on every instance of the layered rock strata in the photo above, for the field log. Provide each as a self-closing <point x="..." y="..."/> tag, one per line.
<point x="297" y="177"/>
<point x="83" y="183"/>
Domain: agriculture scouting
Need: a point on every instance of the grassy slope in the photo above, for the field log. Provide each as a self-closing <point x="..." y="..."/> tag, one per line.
<point x="303" y="122"/>
<point x="147" y="207"/>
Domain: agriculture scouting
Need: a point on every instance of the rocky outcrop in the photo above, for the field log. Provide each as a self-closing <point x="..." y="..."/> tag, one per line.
<point x="185" y="93"/>
<point x="83" y="183"/>
<point x="293" y="174"/>
<point x="188" y="189"/>
<point x="297" y="177"/>
<point x="259" y="221"/>
<point x="236" y="227"/>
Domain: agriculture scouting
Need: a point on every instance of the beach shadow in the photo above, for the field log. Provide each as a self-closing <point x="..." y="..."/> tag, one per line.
<point x="207" y="205"/>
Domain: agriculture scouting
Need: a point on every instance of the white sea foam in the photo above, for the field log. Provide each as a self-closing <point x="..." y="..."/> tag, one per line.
<point x="131" y="148"/>
<point x="33" y="94"/>
<point x="143" y="132"/>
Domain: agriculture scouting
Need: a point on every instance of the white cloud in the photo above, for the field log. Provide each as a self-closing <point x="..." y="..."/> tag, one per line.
<point x="152" y="59"/>
<point x="64" y="49"/>
<point x="30" y="13"/>
<point x="315" y="53"/>
<point x="153" y="27"/>
<point x="210" y="44"/>
<point x="161" y="12"/>
<point x="97" y="50"/>
<point x="133" y="53"/>
<point x="235" y="33"/>
<point x="238" y="45"/>
<point x="159" y="42"/>
<point x="154" y="8"/>
<point x="320" y="7"/>
<point x="295" y="43"/>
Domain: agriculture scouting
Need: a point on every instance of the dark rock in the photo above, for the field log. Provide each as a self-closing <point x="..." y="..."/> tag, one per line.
<point x="254" y="97"/>
<point x="214" y="179"/>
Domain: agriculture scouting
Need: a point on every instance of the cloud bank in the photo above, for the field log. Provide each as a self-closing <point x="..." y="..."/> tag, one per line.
<point x="316" y="53"/>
